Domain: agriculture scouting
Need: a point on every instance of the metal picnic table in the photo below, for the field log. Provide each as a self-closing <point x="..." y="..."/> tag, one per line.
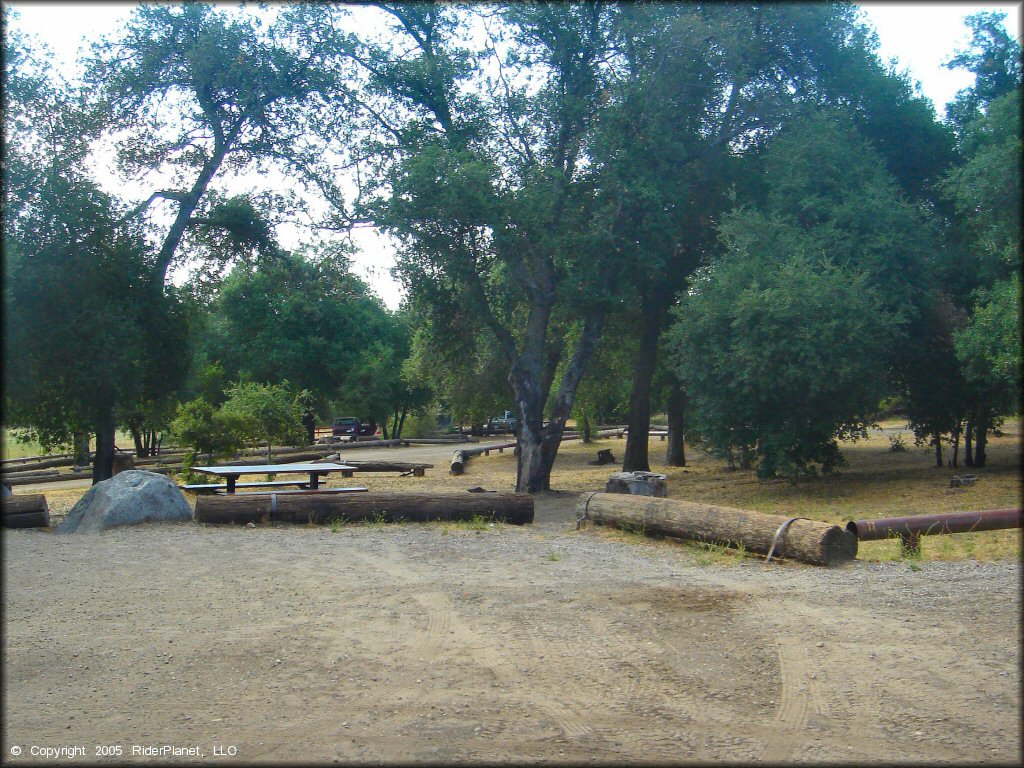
<point x="314" y="470"/>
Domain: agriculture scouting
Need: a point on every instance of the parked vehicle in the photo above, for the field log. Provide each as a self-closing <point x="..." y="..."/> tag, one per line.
<point x="350" y="426"/>
<point x="504" y="423"/>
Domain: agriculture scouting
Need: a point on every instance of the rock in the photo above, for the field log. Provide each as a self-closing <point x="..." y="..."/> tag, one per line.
<point x="129" y="498"/>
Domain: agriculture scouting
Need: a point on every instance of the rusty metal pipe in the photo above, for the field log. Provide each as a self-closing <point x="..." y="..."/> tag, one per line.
<point x="915" y="526"/>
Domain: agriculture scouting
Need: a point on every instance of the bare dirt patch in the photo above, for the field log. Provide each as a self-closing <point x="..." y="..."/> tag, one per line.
<point x="455" y="643"/>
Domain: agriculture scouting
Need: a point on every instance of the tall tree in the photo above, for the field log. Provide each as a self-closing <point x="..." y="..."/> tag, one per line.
<point x="502" y="234"/>
<point x="73" y="270"/>
<point x="831" y="214"/>
<point x="993" y="56"/>
<point x="306" y="318"/>
<point x="188" y="92"/>
<point x="703" y="88"/>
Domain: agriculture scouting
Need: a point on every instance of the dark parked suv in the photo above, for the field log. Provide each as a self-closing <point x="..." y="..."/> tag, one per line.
<point x="350" y="426"/>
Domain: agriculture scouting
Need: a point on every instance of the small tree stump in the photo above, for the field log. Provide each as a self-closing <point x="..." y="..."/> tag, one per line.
<point x="604" y="456"/>
<point x="122" y="462"/>
<point x="638" y="484"/>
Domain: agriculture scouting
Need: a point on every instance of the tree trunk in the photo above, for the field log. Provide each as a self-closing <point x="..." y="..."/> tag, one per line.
<point x="309" y="422"/>
<point x="103" y="466"/>
<point x="969" y="442"/>
<point x="635" y="458"/>
<point x="530" y="477"/>
<point x="401" y="421"/>
<point x="980" y="438"/>
<point x="81" y="448"/>
<point x="675" y="452"/>
<point x="140" y="448"/>
<point x="937" y="441"/>
<point x="956" y="443"/>
<point x="807" y="540"/>
<point x="587" y="434"/>
<point x="311" y="506"/>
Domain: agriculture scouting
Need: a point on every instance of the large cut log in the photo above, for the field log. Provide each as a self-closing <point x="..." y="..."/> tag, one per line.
<point x="514" y="508"/>
<point x="810" y="541"/>
<point x="30" y="511"/>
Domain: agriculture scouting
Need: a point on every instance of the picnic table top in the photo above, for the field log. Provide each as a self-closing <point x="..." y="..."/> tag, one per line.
<point x="272" y="469"/>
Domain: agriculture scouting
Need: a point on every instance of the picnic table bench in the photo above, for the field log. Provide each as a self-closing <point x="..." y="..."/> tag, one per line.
<point x="217" y="487"/>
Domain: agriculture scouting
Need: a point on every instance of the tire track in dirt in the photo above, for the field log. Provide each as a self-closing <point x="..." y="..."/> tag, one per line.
<point x="463" y="637"/>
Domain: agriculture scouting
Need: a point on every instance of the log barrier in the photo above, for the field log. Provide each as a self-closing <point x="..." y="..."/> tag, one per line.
<point x="29" y="511"/>
<point x="809" y="541"/>
<point x="315" y="507"/>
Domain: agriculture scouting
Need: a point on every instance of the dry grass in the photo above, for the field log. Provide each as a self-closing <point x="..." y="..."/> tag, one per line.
<point x="875" y="483"/>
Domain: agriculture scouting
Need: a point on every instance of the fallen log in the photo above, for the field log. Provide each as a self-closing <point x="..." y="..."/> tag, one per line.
<point x="810" y="541"/>
<point x="463" y="455"/>
<point x="22" y="459"/>
<point x="27" y="472"/>
<point x="316" y="507"/>
<point x="32" y="479"/>
<point x="459" y="459"/>
<point x="384" y="466"/>
<point x="46" y="464"/>
<point x="29" y="511"/>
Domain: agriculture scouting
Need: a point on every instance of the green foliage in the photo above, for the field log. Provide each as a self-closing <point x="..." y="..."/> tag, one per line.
<point x="206" y="429"/>
<point x="265" y="412"/>
<point x="994" y="58"/>
<point x="785" y="345"/>
<point x="986" y="191"/>
<point x="306" y="318"/>
<point x="989" y="347"/>
<point x="85" y="332"/>
<point x="464" y="371"/>
<point x="781" y="358"/>
<point x="187" y="91"/>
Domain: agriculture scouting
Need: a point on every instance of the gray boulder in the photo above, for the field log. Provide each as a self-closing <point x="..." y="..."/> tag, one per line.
<point x="128" y="498"/>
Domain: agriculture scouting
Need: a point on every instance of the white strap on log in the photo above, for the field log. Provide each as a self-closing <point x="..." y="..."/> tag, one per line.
<point x="778" y="533"/>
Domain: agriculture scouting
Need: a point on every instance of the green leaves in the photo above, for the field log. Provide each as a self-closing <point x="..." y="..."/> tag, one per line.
<point x="780" y="359"/>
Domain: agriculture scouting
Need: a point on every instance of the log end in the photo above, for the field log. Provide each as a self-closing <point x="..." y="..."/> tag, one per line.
<point x="839" y="546"/>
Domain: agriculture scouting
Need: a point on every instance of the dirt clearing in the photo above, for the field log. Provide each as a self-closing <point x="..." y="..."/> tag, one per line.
<point x="448" y="643"/>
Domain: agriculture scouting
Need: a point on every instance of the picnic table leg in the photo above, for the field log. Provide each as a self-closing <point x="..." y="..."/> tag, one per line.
<point x="314" y="479"/>
<point x="231" y="483"/>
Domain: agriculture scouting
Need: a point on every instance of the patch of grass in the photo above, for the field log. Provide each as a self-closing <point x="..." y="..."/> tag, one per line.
<point x="554" y="555"/>
<point x="337" y="523"/>
<point x="477" y="523"/>
<point x="379" y="520"/>
<point x="717" y="553"/>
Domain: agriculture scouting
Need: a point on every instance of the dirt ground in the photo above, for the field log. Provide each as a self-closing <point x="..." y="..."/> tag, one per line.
<point x="444" y="643"/>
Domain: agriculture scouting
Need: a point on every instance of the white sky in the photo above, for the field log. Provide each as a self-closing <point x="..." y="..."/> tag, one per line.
<point x="920" y="36"/>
